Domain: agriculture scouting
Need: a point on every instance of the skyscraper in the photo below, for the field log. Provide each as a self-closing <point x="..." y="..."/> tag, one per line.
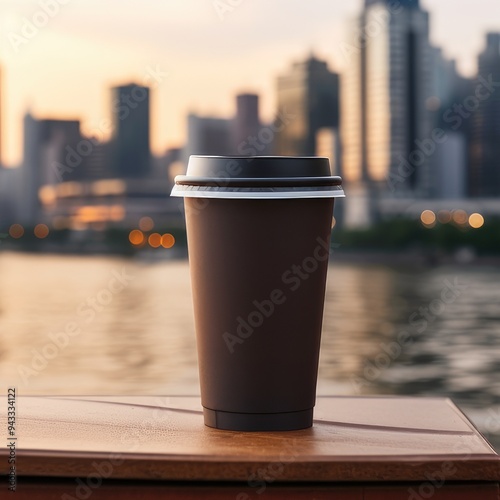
<point x="394" y="3"/>
<point x="10" y="196"/>
<point x="309" y="94"/>
<point x="485" y="155"/>
<point x="449" y="163"/>
<point x="1" y="115"/>
<point x="384" y="93"/>
<point x="207" y="136"/>
<point x="246" y="121"/>
<point x="51" y="155"/>
<point x="131" y="155"/>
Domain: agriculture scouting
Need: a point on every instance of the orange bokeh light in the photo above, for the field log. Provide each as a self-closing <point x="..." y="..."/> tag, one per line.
<point x="16" y="231"/>
<point x="476" y="221"/>
<point x="146" y="224"/>
<point x="444" y="216"/>
<point x="41" y="231"/>
<point x="167" y="241"/>
<point x="136" y="237"/>
<point x="60" y="222"/>
<point x="428" y="218"/>
<point x="154" y="240"/>
<point x="116" y="212"/>
<point x="460" y="217"/>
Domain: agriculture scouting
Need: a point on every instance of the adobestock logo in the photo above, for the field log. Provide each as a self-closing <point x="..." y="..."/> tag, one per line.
<point x="455" y="116"/>
<point x="264" y="309"/>
<point x="261" y="477"/>
<point x="38" y="20"/>
<point x="418" y="322"/>
<point x="74" y="156"/>
<point x="87" y="311"/>
<point x="372" y="28"/>
<point x="251" y="147"/>
<point x="223" y="7"/>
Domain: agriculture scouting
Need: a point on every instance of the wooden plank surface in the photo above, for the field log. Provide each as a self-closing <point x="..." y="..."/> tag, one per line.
<point x="436" y="492"/>
<point x="116" y="490"/>
<point x="353" y="439"/>
<point x="163" y="492"/>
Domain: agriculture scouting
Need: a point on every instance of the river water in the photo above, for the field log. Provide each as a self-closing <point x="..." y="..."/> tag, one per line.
<point x="107" y="325"/>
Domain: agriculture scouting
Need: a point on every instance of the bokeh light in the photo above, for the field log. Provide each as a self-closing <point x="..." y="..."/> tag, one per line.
<point x="98" y="225"/>
<point x="41" y="231"/>
<point x="428" y="218"/>
<point x="460" y="217"/>
<point x="16" y="231"/>
<point x="476" y="221"/>
<point x="117" y="212"/>
<point x="444" y="216"/>
<point x="167" y="241"/>
<point x="59" y="222"/>
<point x="136" y="237"/>
<point x="146" y="224"/>
<point x="154" y="240"/>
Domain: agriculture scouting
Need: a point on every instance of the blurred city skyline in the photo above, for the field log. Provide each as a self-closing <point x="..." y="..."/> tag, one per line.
<point x="185" y="52"/>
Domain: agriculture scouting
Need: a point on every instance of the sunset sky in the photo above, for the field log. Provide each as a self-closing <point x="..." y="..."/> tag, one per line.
<point x="65" y="68"/>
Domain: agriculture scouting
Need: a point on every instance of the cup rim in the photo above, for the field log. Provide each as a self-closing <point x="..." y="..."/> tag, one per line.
<point x="258" y="177"/>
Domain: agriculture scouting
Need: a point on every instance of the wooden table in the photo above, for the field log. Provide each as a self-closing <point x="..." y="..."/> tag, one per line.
<point x="157" y="447"/>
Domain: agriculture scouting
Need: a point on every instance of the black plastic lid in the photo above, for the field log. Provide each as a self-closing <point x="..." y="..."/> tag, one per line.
<point x="258" y="177"/>
<point x="258" y="166"/>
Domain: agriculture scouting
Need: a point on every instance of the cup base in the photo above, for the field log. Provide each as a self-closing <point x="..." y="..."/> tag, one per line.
<point x="229" y="421"/>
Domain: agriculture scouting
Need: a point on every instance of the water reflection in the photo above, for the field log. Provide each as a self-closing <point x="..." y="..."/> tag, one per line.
<point x="356" y="320"/>
<point x="386" y="331"/>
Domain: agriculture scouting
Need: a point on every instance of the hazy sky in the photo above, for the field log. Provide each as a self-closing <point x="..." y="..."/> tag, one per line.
<point x="64" y="67"/>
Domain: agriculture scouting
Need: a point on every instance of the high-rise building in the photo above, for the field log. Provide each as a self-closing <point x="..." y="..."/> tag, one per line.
<point x="31" y="176"/>
<point x="444" y="80"/>
<point x="53" y="153"/>
<point x="450" y="167"/>
<point x="1" y="115"/>
<point x="308" y="93"/>
<point x="131" y="155"/>
<point x="10" y="197"/>
<point x="63" y="151"/>
<point x="449" y="162"/>
<point x="98" y="162"/>
<point x="484" y="176"/>
<point x="384" y="98"/>
<point x="208" y="136"/>
<point x="394" y="3"/>
<point x="328" y="145"/>
<point x="246" y="121"/>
